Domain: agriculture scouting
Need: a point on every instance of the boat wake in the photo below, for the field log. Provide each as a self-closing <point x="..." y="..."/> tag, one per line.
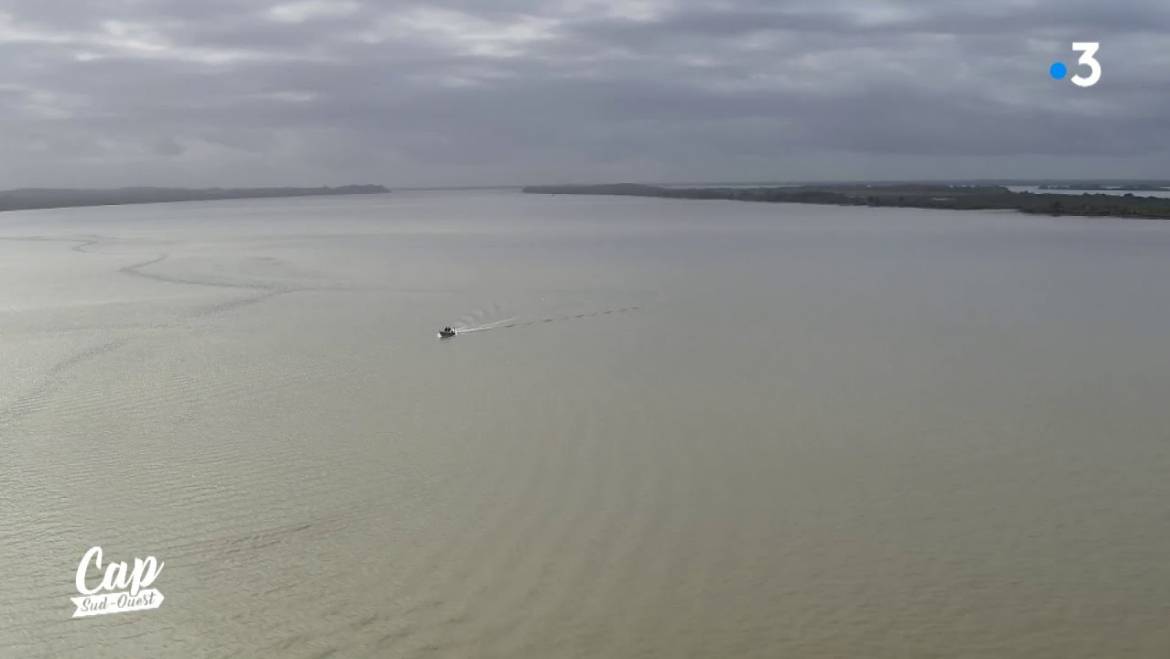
<point x="464" y="327"/>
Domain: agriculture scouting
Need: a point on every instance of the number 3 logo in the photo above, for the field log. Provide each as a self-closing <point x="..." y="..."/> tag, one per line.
<point x="1087" y="50"/>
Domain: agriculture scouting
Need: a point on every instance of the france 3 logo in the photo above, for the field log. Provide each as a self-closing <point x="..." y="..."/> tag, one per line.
<point x="1088" y="51"/>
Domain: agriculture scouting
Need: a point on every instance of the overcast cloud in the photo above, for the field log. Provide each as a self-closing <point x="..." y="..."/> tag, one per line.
<point x="234" y="92"/>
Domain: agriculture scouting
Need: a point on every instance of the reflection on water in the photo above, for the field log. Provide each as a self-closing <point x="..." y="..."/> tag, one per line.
<point x="711" y="429"/>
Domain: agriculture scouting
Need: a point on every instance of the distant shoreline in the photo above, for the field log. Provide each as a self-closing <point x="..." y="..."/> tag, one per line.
<point x="946" y="197"/>
<point x="40" y="198"/>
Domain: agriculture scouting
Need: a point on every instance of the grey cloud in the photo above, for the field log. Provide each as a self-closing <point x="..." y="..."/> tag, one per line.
<point x="451" y="92"/>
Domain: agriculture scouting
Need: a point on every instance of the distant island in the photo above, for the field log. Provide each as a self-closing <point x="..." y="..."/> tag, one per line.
<point x="30" y="198"/>
<point x="909" y="195"/>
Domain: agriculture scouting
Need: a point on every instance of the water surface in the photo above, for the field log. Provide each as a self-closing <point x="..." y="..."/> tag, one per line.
<point x="683" y="429"/>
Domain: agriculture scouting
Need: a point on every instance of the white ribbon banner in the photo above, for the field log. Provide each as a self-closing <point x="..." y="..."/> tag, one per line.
<point x="104" y="603"/>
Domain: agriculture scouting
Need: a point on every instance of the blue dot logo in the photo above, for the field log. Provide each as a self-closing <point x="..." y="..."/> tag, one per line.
<point x="1058" y="70"/>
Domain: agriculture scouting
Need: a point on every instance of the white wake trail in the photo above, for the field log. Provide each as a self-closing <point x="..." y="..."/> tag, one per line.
<point x="462" y="329"/>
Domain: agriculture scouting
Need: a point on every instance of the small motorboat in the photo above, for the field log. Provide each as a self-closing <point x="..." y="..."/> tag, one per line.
<point x="446" y="333"/>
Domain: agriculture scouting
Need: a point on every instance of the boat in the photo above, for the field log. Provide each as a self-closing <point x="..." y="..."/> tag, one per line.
<point x="446" y="333"/>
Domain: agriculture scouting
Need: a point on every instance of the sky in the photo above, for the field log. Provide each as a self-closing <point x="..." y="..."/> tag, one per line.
<point x="500" y="92"/>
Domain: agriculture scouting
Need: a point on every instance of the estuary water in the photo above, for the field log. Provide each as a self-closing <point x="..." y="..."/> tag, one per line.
<point x="669" y="429"/>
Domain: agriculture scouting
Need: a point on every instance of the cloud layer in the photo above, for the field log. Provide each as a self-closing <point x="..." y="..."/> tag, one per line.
<point x="516" y="91"/>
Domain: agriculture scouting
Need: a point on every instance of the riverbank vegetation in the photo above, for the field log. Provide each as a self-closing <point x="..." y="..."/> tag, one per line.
<point x="910" y="195"/>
